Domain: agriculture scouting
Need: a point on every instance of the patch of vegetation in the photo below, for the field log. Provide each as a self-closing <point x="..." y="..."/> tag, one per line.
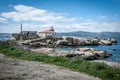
<point x="96" y="69"/>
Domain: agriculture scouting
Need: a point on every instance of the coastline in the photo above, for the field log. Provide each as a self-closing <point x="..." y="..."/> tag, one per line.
<point x="96" y="69"/>
<point x="22" y="69"/>
<point x="52" y="52"/>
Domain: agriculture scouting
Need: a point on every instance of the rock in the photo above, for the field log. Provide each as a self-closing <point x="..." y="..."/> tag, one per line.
<point x="102" y="54"/>
<point x="95" y="40"/>
<point x="44" y="50"/>
<point x="71" y="55"/>
<point x="66" y="41"/>
<point x="79" y="41"/>
<point x="76" y="52"/>
<point x="85" y="49"/>
<point x="88" y="42"/>
<point x="69" y="39"/>
<point x="75" y="40"/>
<point x="105" y="42"/>
<point x="112" y="40"/>
<point x="88" y="54"/>
<point x="62" y="42"/>
<point x="49" y="41"/>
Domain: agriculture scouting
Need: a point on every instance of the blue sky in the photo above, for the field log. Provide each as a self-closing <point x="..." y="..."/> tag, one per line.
<point x="64" y="15"/>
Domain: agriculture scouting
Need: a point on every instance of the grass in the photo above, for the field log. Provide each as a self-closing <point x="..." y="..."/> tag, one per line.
<point x="96" y="69"/>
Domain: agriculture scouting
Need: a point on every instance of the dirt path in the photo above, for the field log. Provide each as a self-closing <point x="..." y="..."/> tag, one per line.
<point x="11" y="69"/>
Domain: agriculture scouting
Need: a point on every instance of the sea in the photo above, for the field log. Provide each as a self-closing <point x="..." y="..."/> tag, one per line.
<point x="6" y="36"/>
<point x="114" y="49"/>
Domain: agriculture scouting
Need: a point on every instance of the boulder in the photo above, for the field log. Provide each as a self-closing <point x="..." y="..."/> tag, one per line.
<point x="69" y="39"/>
<point x="88" y="42"/>
<point x="113" y="40"/>
<point x="88" y="54"/>
<point x="105" y="42"/>
<point x="74" y="40"/>
<point x="102" y="54"/>
<point x="95" y="40"/>
<point x="78" y="41"/>
<point x="62" y="42"/>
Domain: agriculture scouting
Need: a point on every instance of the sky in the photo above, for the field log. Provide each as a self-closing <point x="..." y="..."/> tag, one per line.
<point x="63" y="15"/>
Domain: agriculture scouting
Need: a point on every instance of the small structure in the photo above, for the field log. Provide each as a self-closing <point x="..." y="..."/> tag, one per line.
<point x="46" y="33"/>
<point x="29" y="34"/>
<point x="25" y="35"/>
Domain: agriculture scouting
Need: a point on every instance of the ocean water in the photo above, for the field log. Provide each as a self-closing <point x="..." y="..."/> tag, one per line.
<point x="6" y="36"/>
<point x="115" y="53"/>
<point x="114" y="49"/>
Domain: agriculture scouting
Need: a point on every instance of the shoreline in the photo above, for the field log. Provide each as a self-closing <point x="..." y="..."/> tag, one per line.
<point x="83" y="53"/>
<point x="22" y="69"/>
<point x="78" y="65"/>
<point x="62" y="53"/>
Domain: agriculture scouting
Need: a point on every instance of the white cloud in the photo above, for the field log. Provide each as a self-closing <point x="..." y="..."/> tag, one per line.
<point x="40" y="19"/>
<point x="27" y="13"/>
<point x="90" y="27"/>
<point x="3" y="20"/>
<point x="100" y="26"/>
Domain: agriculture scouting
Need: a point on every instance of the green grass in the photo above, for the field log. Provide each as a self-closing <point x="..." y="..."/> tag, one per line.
<point x="100" y="70"/>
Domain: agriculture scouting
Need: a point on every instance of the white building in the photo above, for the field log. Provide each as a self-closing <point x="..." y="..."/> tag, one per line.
<point x="46" y="33"/>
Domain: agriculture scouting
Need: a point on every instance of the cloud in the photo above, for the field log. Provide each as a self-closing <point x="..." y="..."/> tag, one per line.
<point x="40" y="19"/>
<point x="89" y="27"/>
<point x="3" y="20"/>
<point x="28" y="13"/>
<point x="99" y="26"/>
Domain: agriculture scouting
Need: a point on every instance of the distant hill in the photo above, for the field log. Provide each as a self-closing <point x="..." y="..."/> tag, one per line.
<point x="91" y="34"/>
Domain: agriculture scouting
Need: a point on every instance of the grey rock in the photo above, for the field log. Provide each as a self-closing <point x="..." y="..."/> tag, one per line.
<point x="88" y="53"/>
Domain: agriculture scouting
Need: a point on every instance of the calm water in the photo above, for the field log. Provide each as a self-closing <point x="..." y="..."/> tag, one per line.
<point x="5" y="36"/>
<point x="115" y="57"/>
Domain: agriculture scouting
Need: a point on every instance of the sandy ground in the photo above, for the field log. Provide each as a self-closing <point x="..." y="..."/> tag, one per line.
<point x="11" y="69"/>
